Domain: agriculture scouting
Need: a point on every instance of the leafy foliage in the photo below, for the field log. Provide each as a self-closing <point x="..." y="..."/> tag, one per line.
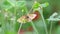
<point x="11" y="10"/>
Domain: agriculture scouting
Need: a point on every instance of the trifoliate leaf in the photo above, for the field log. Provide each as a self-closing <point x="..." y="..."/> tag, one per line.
<point x="6" y="4"/>
<point x="45" y="4"/>
<point x="36" y="5"/>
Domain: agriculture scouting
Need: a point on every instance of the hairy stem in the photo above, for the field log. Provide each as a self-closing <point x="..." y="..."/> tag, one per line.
<point x="50" y="27"/>
<point x="34" y="27"/>
<point x="19" y="28"/>
<point x="45" y="26"/>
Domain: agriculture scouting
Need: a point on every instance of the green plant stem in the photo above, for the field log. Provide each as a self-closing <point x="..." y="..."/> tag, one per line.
<point x="45" y="26"/>
<point x="50" y="27"/>
<point x="32" y="7"/>
<point x="34" y="27"/>
<point x="19" y="28"/>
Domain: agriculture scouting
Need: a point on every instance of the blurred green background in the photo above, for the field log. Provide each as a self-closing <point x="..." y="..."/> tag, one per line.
<point x="11" y="10"/>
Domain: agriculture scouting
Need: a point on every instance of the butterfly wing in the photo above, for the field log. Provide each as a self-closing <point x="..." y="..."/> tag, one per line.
<point x="22" y="19"/>
<point x="31" y="16"/>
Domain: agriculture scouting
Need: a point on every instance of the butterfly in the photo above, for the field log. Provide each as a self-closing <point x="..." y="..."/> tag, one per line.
<point x="29" y="17"/>
<point x="26" y="18"/>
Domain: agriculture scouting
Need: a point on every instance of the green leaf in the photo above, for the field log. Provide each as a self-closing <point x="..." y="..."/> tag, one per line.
<point x="6" y="4"/>
<point x="36" y="5"/>
<point x="45" y="4"/>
